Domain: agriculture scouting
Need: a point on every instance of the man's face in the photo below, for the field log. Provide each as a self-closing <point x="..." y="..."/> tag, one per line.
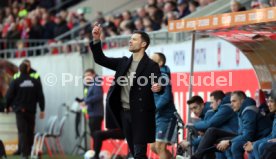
<point x="271" y="105"/>
<point x="88" y="77"/>
<point x="196" y="108"/>
<point x="214" y="103"/>
<point x="236" y="102"/>
<point x="136" y="43"/>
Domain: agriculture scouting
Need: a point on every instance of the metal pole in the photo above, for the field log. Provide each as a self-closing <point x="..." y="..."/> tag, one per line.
<point x="192" y="66"/>
<point x="191" y="79"/>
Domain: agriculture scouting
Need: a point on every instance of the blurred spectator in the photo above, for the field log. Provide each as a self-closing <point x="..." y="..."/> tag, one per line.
<point x="20" y="52"/>
<point x="8" y="11"/>
<point x="126" y="27"/>
<point x="139" y="24"/>
<point x="117" y="19"/>
<point x="32" y="4"/>
<point x="169" y="6"/>
<point x="15" y="10"/>
<point x="141" y="12"/>
<point x="100" y="18"/>
<point x="193" y="5"/>
<point x="73" y="20"/>
<point x="61" y="27"/>
<point x="183" y="8"/>
<point x="160" y="3"/>
<point x="110" y="29"/>
<point x="47" y="4"/>
<point x="236" y="6"/>
<point x="256" y="4"/>
<point x="64" y="14"/>
<point x="13" y="32"/>
<point x="85" y="30"/>
<point x="25" y="28"/>
<point x="127" y="15"/>
<point x="203" y="3"/>
<point x="49" y="26"/>
<point x="170" y="16"/>
<point x="36" y="30"/>
<point x="148" y="24"/>
<point x="7" y="22"/>
<point x="152" y="2"/>
<point x="156" y="17"/>
<point x="273" y="3"/>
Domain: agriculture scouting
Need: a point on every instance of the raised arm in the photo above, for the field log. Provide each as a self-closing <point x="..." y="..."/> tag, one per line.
<point x="96" y="48"/>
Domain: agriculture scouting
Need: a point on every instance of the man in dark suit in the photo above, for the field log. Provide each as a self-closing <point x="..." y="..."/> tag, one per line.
<point x="130" y="98"/>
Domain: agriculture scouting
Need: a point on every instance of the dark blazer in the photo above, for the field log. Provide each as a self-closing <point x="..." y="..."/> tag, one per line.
<point x="142" y="106"/>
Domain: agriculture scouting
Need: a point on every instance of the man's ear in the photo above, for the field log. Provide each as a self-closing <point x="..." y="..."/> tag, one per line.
<point x="219" y="101"/>
<point x="161" y="63"/>
<point x="144" y="44"/>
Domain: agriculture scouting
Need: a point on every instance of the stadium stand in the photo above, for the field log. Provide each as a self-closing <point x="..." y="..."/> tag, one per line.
<point x="26" y="25"/>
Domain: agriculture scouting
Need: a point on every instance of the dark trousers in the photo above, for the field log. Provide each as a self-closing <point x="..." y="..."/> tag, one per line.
<point x="269" y="151"/>
<point x="208" y="141"/>
<point x="95" y="124"/>
<point x="25" y="124"/>
<point x="139" y="151"/>
<point x="100" y="136"/>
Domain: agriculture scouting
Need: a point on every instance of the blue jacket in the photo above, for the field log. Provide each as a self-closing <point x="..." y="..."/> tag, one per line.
<point x="164" y="102"/>
<point x="206" y="114"/>
<point x="94" y="100"/>
<point x="272" y="135"/>
<point x="207" y="111"/>
<point x="252" y="124"/>
<point x="224" y="117"/>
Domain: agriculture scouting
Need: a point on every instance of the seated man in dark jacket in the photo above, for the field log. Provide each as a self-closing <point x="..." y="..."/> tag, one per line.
<point x="201" y="110"/>
<point x="224" y="117"/>
<point x="252" y="126"/>
<point x="256" y="149"/>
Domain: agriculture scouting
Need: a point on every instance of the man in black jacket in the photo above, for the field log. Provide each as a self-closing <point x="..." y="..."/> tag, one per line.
<point x="33" y="73"/>
<point x="23" y="95"/>
<point x="130" y="98"/>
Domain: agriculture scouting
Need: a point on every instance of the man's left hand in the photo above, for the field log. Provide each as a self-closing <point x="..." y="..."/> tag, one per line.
<point x="272" y="140"/>
<point x="155" y="88"/>
<point x="248" y="146"/>
<point x="41" y="115"/>
<point x="223" y="145"/>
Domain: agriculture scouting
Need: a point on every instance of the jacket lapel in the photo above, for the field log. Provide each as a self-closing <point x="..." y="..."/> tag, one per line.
<point x="142" y="65"/>
<point x="125" y="67"/>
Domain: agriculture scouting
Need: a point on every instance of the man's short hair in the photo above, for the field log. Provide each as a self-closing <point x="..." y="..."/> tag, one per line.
<point x="23" y="68"/>
<point x="195" y="99"/>
<point x="91" y="70"/>
<point x="218" y="95"/>
<point x="162" y="57"/>
<point x="26" y="61"/>
<point x="240" y="94"/>
<point x="273" y="95"/>
<point x="145" y="37"/>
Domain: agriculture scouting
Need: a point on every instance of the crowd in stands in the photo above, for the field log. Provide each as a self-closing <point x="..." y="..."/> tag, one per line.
<point x="236" y="6"/>
<point x="31" y="19"/>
